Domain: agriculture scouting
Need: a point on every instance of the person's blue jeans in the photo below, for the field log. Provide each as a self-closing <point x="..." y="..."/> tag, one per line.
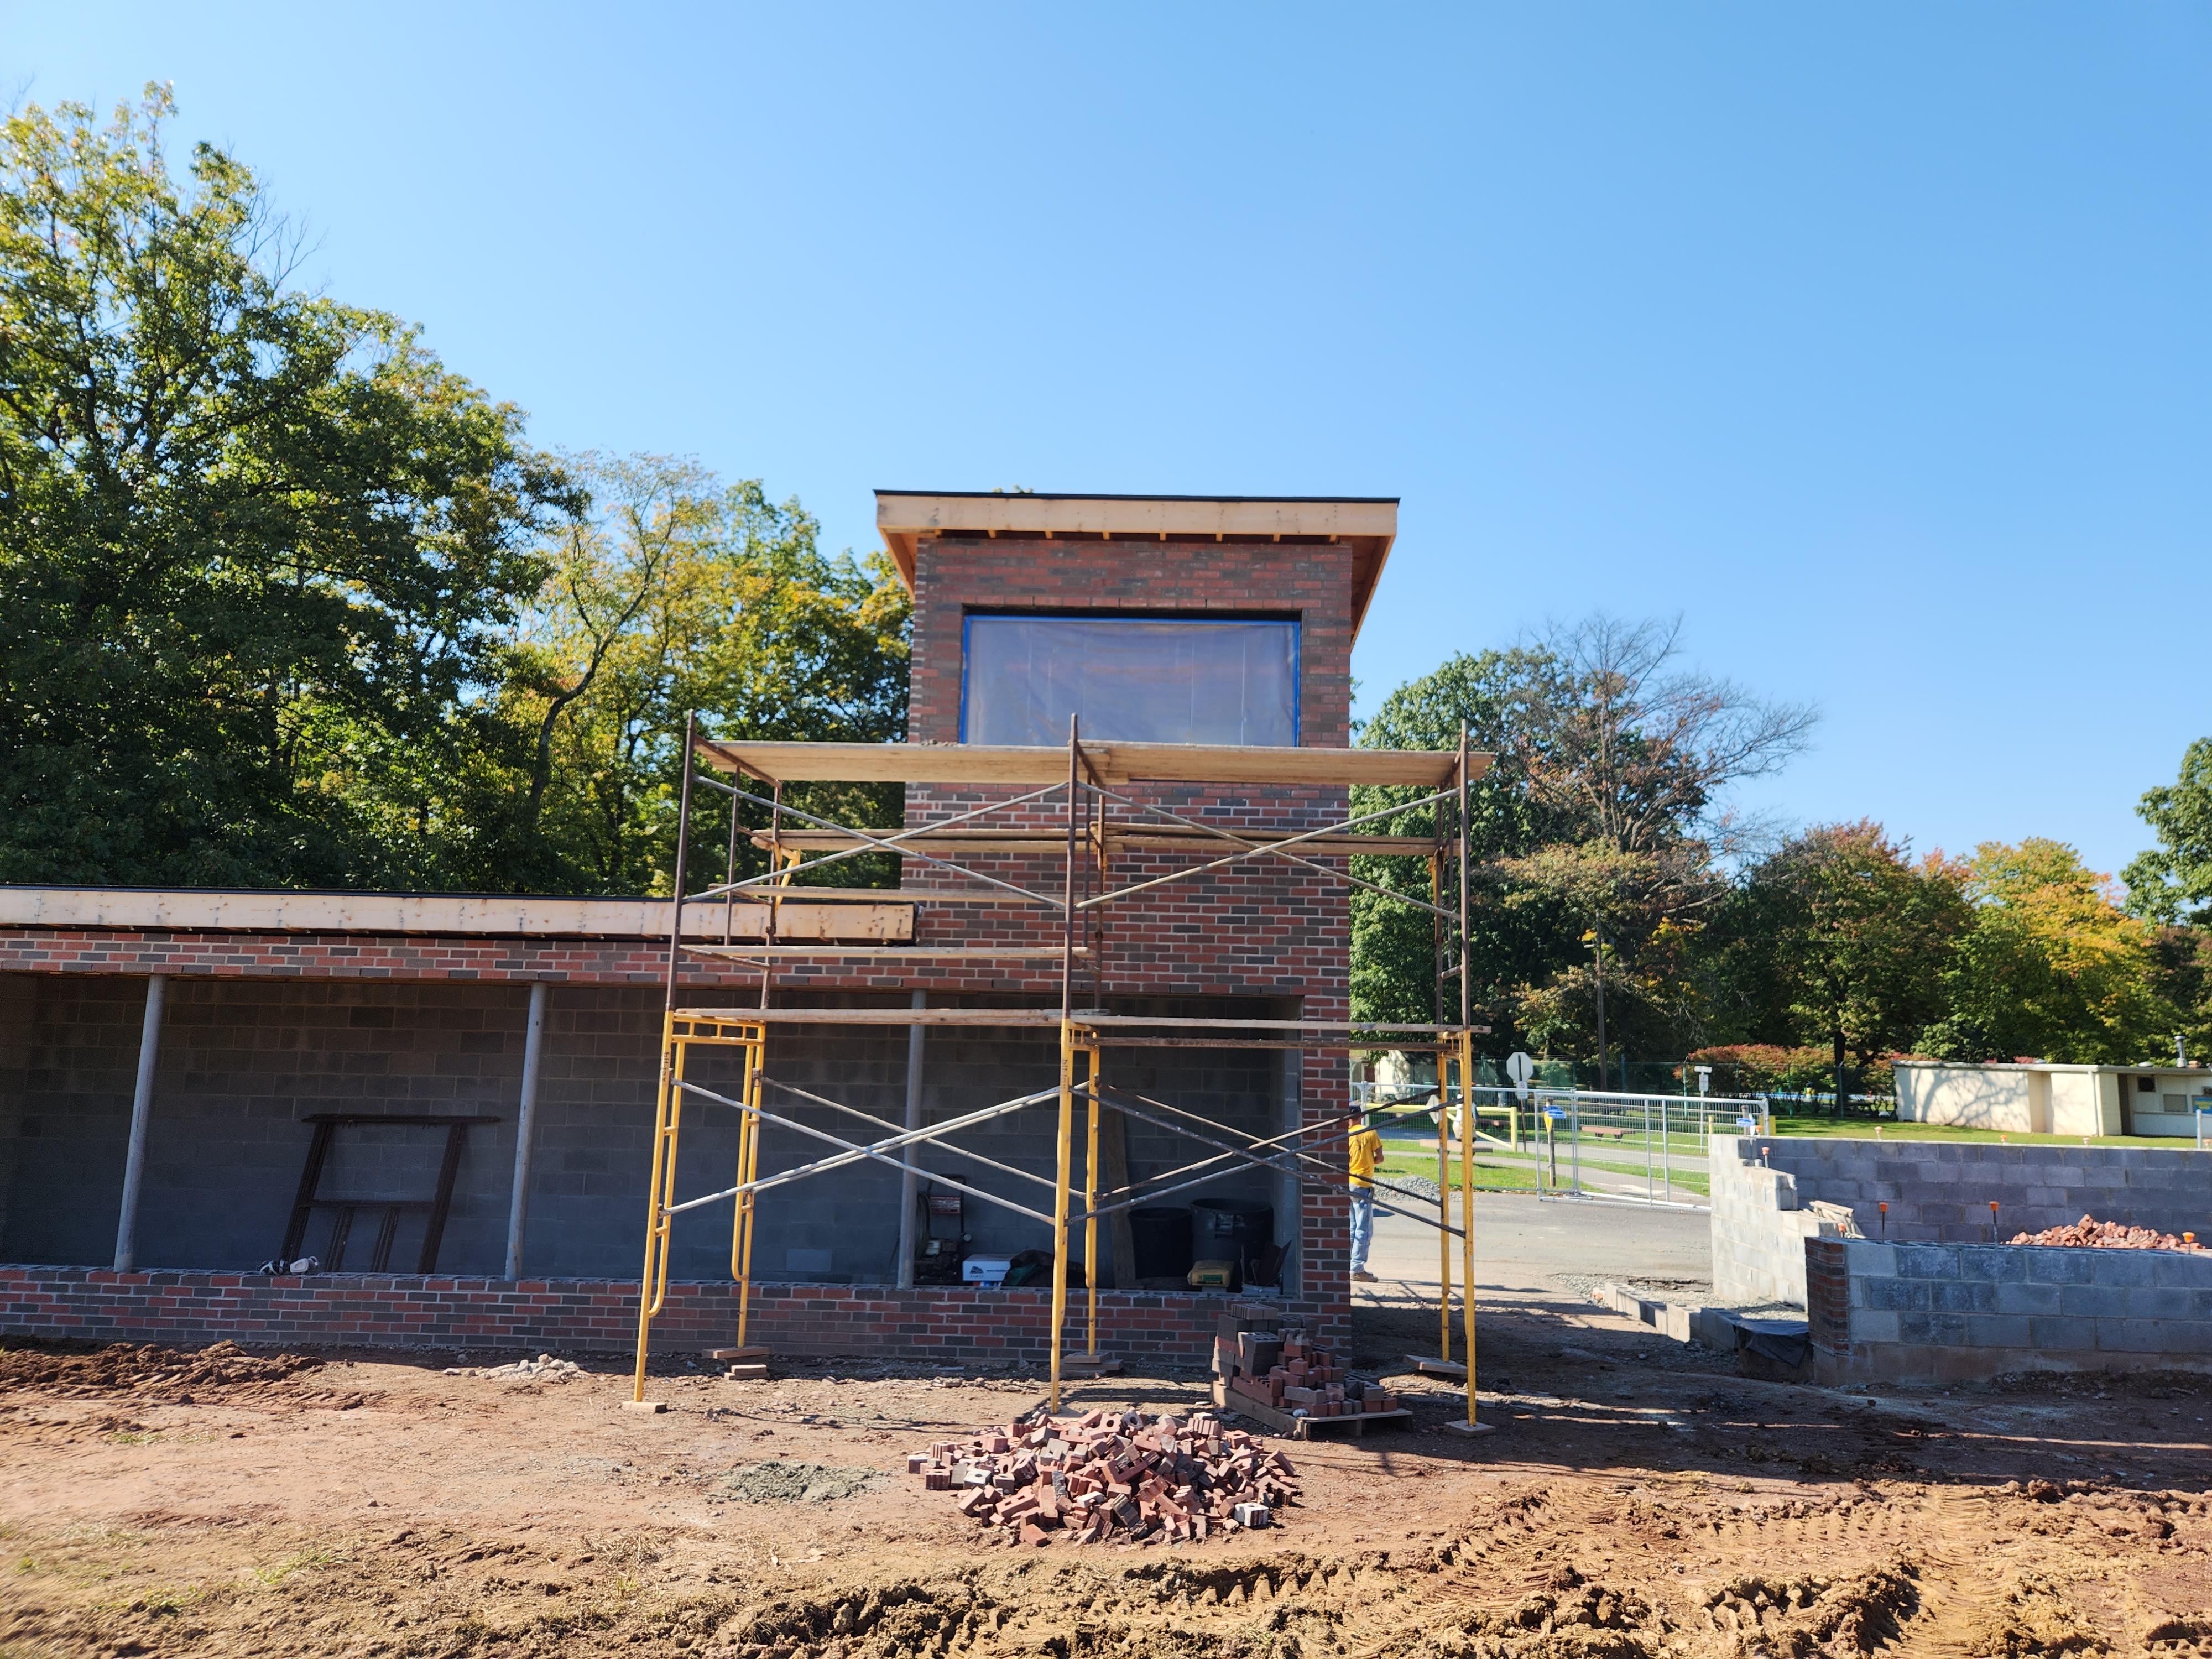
<point x="1363" y="1225"/>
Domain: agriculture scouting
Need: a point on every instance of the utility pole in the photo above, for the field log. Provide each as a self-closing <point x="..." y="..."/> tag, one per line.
<point x="1601" y="1004"/>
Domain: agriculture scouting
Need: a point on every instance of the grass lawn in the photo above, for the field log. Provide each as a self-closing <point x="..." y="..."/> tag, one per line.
<point x="1488" y="1177"/>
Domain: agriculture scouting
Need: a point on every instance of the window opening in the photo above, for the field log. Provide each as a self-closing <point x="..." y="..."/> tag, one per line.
<point x="1137" y="679"/>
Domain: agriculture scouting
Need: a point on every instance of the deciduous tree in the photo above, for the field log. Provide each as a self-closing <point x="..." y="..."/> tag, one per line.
<point x="1839" y="938"/>
<point x="256" y="547"/>
<point x="2049" y="966"/>
<point x="2173" y="882"/>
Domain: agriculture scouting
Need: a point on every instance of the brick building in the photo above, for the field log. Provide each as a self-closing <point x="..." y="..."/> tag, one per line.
<point x="1161" y="620"/>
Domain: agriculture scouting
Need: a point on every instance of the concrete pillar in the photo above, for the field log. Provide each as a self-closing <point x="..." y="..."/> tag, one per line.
<point x="526" y="1123"/>
<point x="909" y="1188"/>
<point x="141" y="1109"/>
<point x="1290" y="1191"/>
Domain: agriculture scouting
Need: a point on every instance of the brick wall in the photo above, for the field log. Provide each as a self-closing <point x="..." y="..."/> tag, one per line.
<point x="266" y="1027"/>
<point x="1311" y="582"/>
<point x="1948" y="1313"/>
<point x="1262" y="929"/>
<point x="953" y="1325"/>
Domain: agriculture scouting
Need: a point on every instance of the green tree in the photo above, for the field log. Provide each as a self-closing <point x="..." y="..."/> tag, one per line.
<point x="2172" y="882"/>
<point x="2049" y="966"/>
<point x="1601" y="816"/>
<point x="257" y="547"/>
<point x="1838" y="938"/>
<point x="672" y="596"/>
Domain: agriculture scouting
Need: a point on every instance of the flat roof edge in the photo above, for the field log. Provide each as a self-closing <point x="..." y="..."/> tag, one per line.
<point x="1101" y="495"/>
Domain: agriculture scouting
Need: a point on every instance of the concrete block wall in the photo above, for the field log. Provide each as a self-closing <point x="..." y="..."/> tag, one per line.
<point x="1957" y="1312"/>
<point x="1759" y="1230"/>
<point x="1938" y="1192"/>
<point x="243" y="1060"/>
<point x="18" y="1006"/>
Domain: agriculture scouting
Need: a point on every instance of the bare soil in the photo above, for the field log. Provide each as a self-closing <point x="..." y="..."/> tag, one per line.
<point x="1637" y="1498"/>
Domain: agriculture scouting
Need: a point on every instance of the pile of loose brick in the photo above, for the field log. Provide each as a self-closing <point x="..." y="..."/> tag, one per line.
<point x="1114" y="1476"/>
<point x="1281" y="1369"/>
<point x="2089" y="1233"/>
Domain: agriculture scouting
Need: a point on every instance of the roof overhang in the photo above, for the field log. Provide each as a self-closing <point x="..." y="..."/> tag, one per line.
<point x="1367" y="524"/>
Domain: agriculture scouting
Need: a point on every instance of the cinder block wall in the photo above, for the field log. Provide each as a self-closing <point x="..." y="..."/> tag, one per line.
<point x="1758" y="1231"/>
<point x="1938" y="1192"/>
<point x="18" y="1003"/>
<point x="242" y="1061"/>
<point x="1952" y="1313"/>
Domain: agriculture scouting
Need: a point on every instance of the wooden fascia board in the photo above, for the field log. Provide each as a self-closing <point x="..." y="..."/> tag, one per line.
<point x="136" y="910"/>
<point x="1369" y="527"/>
<point x="917" y="514"/>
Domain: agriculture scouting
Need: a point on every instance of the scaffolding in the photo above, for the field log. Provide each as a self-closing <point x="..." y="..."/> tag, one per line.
<point x="1089" y="787"/>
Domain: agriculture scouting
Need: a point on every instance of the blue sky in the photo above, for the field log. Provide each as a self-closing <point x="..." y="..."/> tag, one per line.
<point x="1872" y="340"/>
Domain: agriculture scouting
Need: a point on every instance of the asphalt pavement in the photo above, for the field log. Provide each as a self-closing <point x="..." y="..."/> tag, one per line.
<point x="1521" y="1243"/>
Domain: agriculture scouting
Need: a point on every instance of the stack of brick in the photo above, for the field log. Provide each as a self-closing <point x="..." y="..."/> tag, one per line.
<point x="1284" y="1370"/>
<point x="1104" y="1475"/>
<point x="2091" y="1234"/>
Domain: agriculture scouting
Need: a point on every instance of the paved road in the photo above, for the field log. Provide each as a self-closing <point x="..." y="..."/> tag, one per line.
<point x="1520" y="1241"/>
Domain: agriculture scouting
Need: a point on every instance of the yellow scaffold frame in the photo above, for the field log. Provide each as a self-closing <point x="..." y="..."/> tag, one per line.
<point x="1090" y="772"/>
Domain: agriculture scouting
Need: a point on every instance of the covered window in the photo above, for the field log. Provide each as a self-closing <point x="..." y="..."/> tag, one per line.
<point x="1139" y="679"/>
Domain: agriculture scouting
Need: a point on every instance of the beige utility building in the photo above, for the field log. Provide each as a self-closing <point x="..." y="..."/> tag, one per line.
<point x="2039" y="1099"/>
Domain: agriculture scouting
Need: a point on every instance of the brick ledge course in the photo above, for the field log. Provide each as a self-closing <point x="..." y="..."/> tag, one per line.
<point x="949" y="1325"/>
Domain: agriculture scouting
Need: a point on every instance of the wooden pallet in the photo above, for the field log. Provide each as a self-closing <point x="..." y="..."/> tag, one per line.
<point x="1299" y="1428"/>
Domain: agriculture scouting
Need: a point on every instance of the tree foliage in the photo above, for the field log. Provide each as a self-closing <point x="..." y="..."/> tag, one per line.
<point x="284" y="601"/>
<point x="674" y="595"/>
<point x="1602" y="813"/>
<point x="1838" y="938"/>
<point x="256" y="546"/>
<point x="2049" y="966"/>
<point x="2173" y="882"/>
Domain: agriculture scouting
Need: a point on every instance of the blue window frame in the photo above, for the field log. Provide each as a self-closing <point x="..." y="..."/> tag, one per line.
<point x="1139" y="679"/>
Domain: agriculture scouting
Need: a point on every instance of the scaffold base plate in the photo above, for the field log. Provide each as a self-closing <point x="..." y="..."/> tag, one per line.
<point x="1472" y="1428"/>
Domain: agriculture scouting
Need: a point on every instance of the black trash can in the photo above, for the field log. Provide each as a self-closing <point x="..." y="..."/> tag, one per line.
<point x="1232" y="1230"/>
<point x="1160" y="1238"/>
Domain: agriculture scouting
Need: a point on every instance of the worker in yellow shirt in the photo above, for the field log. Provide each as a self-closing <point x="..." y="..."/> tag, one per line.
<point x="1366" y="1153"/>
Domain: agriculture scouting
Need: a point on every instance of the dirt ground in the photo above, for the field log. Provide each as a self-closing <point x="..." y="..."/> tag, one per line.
<point x="1638" y="1498"/>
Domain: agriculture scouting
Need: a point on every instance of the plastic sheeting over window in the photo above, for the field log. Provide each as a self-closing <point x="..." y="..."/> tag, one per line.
<point x="1148" y="680"/>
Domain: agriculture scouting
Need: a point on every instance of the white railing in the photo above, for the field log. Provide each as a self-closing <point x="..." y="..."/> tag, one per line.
<point x="1667" y="1134"/>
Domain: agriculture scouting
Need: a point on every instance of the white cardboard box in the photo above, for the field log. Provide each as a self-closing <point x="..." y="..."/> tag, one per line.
<point x="985" y="1269"/>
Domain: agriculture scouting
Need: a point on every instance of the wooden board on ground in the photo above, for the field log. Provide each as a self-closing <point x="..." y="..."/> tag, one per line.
<point x="1299" y="1428"/>
<point x="756" y="1352"/>
<point x="1084" y="1364"/>
<point x="1433" y="1366"/>
<point x="746" y="1373"/>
